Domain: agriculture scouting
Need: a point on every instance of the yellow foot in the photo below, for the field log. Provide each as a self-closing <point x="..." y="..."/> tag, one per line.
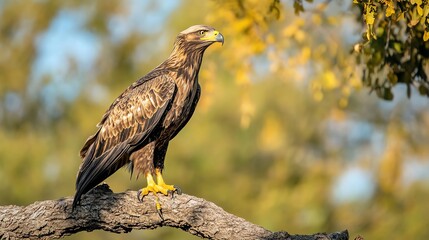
<point x="169" y="188"/>
<point x="159" y="187"/>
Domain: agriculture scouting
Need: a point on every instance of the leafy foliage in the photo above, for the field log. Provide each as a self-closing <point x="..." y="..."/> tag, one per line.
<point x="396" y="47"/>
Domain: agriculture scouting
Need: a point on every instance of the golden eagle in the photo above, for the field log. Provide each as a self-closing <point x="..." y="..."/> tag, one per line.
<point x="138" y="126"/>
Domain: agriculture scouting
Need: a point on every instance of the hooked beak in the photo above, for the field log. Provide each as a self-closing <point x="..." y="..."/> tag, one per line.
<point x="214" y="36"/>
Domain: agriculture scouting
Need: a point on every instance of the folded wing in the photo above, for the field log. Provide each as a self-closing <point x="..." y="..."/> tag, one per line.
<point x="126" y="124"/>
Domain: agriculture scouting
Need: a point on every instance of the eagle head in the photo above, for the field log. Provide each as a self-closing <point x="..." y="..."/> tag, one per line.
<point x="201" y="35"/>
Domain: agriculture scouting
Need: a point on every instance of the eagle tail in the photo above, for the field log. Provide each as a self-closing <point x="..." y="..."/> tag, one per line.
<point x="95" y="170"/>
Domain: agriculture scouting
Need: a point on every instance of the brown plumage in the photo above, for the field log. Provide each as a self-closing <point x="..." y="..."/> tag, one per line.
<point x="137" y="127"/>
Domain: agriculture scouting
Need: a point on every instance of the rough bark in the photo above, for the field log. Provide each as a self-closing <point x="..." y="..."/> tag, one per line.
<point x="122" y="212"/>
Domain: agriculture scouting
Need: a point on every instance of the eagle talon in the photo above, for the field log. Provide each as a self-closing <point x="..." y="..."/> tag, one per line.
<point x="159" y="211"/>
<point x="158" y="208"/>
<point x="177" y="190"/>
<point x="139" y="195"/>
<point x="172" y="193"/>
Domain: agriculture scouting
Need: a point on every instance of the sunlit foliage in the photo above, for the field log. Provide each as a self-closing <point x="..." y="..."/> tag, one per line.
<point x="395" y="48"/>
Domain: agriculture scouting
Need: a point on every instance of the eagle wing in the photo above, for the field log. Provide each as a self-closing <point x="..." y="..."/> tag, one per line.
<point x="126" y="124"/>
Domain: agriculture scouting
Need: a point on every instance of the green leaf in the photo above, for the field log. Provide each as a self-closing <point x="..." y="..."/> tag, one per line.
<point x="297" y="5"/>
<point x="423" y="90"/>
<point x="388" y="95"/>
<point x="393" y="79"/>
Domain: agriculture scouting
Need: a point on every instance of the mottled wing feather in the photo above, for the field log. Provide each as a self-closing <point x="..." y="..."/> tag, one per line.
<point x="127" y="124"/>
<point x="191" y="111"/>
<point x="134" y="115"/>
<point x="141" y="86"/>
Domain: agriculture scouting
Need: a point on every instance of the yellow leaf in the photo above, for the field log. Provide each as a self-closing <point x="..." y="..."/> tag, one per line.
<point x="397" y="46"/>
<point x="271" y="137"/>
<point x="306" y="54"/>
<point x="390" y="10"/>
<point x="369" y="33"/>
<point x="426" y="11"/>
<point x="242" y="24"/>
<point x="426" y="36"/>
<point x="419" y="10"/>
<point x="300" y="36"/>
<point x="242" y="76"/>
<point x="415" y="18"/>
<point x="330" y="81"/>
<point x="414" y="2"/>
<point x="369" y="18"/>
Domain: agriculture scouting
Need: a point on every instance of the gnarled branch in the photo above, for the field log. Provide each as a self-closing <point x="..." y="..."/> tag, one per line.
<point x="122" y="212"/>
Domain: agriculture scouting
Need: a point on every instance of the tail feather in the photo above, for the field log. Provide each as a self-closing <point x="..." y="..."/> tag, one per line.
<point x="94" y="170"/>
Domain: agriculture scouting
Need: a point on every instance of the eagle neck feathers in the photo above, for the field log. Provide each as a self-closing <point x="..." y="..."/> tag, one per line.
<point x="185" y="60"/>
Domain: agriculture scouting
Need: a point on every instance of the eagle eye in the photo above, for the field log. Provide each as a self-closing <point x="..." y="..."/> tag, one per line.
<point x="202" y="32"/>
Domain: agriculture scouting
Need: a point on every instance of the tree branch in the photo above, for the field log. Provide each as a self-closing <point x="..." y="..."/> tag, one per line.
<point x="122" y="212"/>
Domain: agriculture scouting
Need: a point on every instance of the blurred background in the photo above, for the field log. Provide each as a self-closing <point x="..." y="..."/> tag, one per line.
<point x="285" y="135"/>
